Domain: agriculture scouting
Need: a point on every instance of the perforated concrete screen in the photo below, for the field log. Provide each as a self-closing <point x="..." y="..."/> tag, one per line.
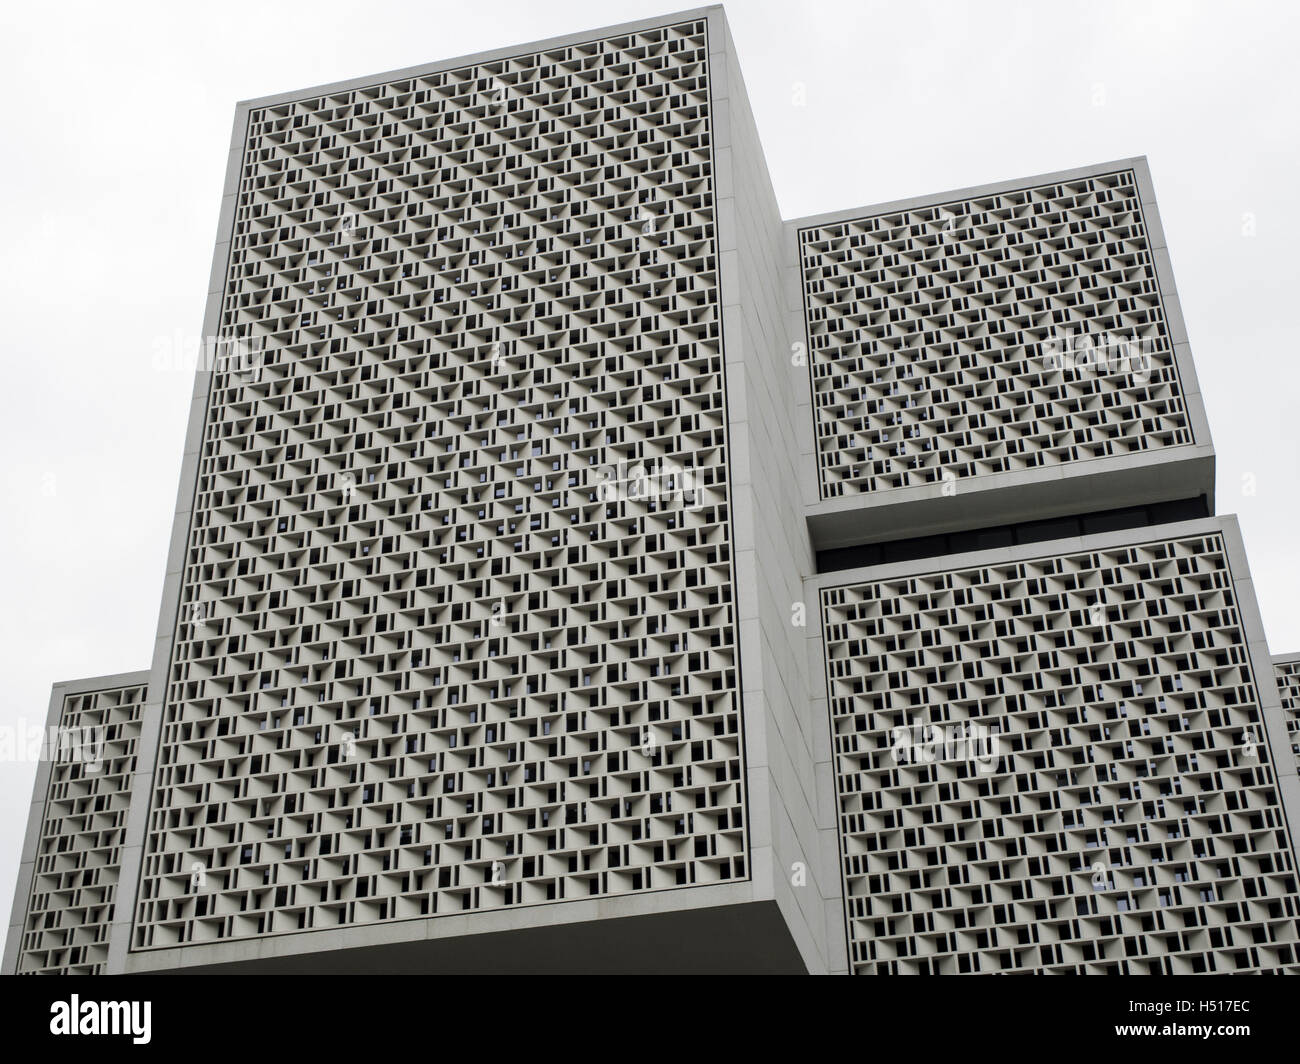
<point x="435" y="652"/>
<point x="1057" y="764"/>
<point x="91" y="752"/>
<point x="1287" y="670"/>
<point x="1009" y="331"/>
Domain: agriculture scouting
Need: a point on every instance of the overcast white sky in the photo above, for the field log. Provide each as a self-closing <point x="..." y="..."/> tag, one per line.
<point x="113" y="152"/>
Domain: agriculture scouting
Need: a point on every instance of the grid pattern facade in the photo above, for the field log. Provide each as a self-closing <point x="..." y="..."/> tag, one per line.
<point x="1288" y="684"/>
<point x="424" y="664"/>
<point x="79" y="854"/>
<point x="1129" y="820"/>
<point x="930" y="332"/>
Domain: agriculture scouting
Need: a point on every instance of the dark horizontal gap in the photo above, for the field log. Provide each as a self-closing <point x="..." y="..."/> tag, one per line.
<point x="904" y="550"/>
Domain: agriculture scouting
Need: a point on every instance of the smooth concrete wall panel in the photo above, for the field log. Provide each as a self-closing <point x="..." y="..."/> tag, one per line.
<point x="782" y="551"/>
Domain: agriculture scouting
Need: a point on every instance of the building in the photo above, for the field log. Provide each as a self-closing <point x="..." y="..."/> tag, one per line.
<point x="1287" y="667"/>
<point x="579" y="567"/>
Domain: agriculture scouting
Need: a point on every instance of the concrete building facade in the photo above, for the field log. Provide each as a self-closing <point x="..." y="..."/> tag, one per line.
<point x="76" y="827"/>
<point x="1287" y="668"/>
<point x="564" y="539"/>
<point x="1062" y="757"/>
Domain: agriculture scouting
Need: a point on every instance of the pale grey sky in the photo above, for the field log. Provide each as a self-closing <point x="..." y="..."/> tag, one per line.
<point x="113" y="151"/>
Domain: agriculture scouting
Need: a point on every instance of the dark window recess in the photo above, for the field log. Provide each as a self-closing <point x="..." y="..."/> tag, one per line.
<point x="903" y="550"/>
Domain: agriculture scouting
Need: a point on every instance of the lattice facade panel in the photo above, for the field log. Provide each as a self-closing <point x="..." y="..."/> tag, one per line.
<point x="92" y="754"/>
<point x="1123" y="816"/>
<point x="424" y="663"/>
<point x="1288" y="683"/>
<point x="949" y="341"/>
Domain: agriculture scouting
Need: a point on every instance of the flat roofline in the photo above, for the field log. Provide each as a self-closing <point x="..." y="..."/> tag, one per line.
<point x="491" y="55"/>
<point x="1137" y="163"/>
<point x="86" y="684"/>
